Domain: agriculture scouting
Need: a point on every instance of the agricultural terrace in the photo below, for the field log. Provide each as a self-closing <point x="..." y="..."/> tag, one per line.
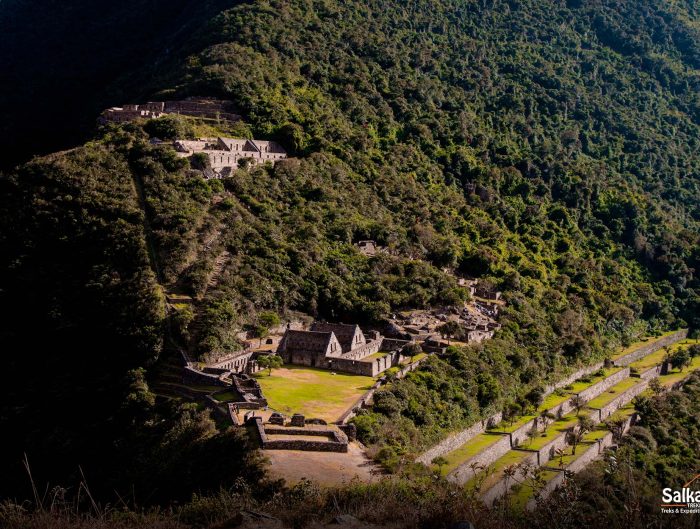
<point x="482" y="441"/>
<point x="641" y="343"/>
<point x="312" y="392"/>
<point x="607" y="396"/>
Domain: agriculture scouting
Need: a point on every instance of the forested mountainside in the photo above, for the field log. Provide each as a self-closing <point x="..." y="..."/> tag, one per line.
<point x="549" y="148"/>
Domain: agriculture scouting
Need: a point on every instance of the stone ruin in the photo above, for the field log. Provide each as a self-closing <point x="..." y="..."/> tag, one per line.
<point x="226" y="154"/>
<point x="201" y="107"/>
<point x="341" y="347"/>
<point x="299" y="433"/>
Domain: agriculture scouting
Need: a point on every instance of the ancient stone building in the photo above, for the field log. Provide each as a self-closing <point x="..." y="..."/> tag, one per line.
<point x="350" y="336"/>
<point x="225" y="153"/>
<point x="309" y="348"/>
<point x="200" y="107"/>
<point x="340" y="347"/>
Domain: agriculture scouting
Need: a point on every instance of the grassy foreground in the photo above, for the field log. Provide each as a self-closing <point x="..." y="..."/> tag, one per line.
<point x="312" y="392"/>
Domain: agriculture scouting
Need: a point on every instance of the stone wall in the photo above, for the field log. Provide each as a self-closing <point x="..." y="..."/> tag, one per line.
<point x="338" y="441"/>
<point x="602" y="386"/>
<point x="192" y="376"/>
<point x="651" y="347"/>
<point x="503" y="486"/>
<point x="518" y="436"/>
<point x="548" y="451"/>
<point x="486" y="457"/>
<point x="456" y="440"/>
<point x="618" y="402"/>
<point x="652" y="373"/>
<point x="363" y="367"/>
<point x="573" y="377"/>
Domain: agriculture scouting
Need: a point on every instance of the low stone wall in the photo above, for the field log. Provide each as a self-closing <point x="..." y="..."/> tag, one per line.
<point x="518" y="436"/>
<point x="456" y="440"/>
<point x="618" y="402"/>
<point x="573" y="377"/>
<point x="653" y="346"/>
<point x="338" y="440"/>
<point x="548" y="451"/>
<point x="604" y="385"/>
<point x="486" y="457"/>
<point x="193" y="376"/>
<point x="652" y="373"/>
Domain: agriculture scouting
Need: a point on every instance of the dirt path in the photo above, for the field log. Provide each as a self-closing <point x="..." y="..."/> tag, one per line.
<point x="324" y="468"/>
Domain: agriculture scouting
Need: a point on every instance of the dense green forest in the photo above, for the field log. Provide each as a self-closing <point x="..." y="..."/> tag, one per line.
<point x="547" y="147"/>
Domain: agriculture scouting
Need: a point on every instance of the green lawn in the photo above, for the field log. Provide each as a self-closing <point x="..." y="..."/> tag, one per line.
<point x="225" y="396"/>
<point x="467" y="451"/>
<point x="648" y="362"/>
<point x="493" y="474"/>
<point x="417" y="357"/>
<point x="579" y="386"/>
<point x="373" y="357"/>
<point x="553" y="400"/>
<point x="312" y="392"/>
<point x="554" y="430"/>
<point x="612" y="393"/>
<point x="676" y="376"/>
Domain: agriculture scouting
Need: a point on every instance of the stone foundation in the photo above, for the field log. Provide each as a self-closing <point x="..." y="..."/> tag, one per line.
<point x="336" y="441"/>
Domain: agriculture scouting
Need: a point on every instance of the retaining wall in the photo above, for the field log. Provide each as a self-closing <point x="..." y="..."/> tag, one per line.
<point x="486" y="457"/>
<point x="196" y="377"/>
<point x="456" y="440"/>
<point x="502" y="487"/>
<point x="604" y="385"/>
<point x="618" y="402"/>
<point x="548" y="451"/>
<point x="652" y="373"/>
<point x="653" y="346"/>
<point x="573" y="377"/>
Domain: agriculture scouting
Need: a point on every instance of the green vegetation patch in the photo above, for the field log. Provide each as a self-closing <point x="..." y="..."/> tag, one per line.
<point x="467" y="451"/>
<point x="649" y="361"/>
<point x="554" y="430"/>
<point x="552" y="400"/>
<point x="607" y="396"/>
<point x="675" y="375"/>
<point x="494" y="473"/>
<point x="580" y="385"/>
<point x="312" y="392"/>
<point x="225" y="396"/>
<point x="373" y="357"/>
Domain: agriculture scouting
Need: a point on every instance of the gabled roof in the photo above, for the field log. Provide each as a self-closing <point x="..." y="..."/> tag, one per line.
<point x="309" y="341"/>
<point x="344" y="332"/>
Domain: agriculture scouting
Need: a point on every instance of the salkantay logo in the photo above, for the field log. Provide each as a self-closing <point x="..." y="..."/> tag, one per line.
<point x="684" y="501"/>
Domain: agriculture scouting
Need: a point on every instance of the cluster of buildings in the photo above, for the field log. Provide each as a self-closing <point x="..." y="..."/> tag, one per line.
<point x="341" y="347"/>
<point x="193" y="106"/>
<point x="225" y="154"/>
<point x="427" y="326"/>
